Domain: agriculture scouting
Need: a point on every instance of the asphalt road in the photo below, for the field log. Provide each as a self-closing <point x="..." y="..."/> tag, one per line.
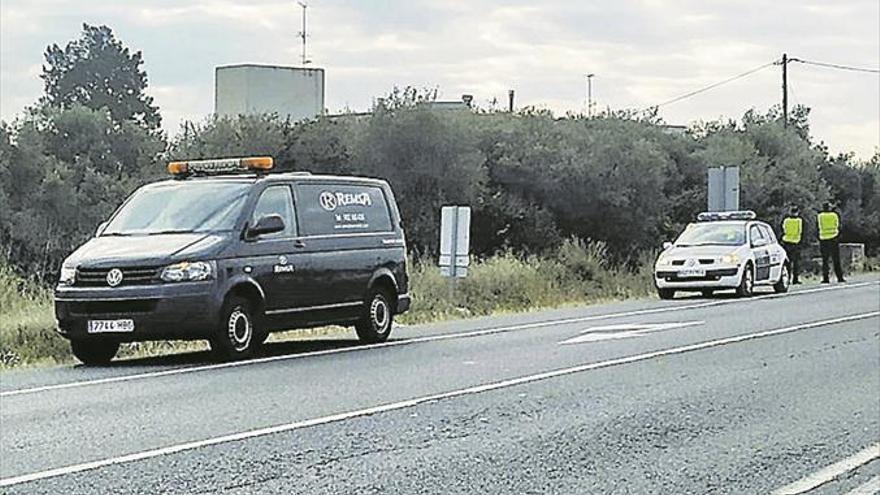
<point x="720" y="395"/>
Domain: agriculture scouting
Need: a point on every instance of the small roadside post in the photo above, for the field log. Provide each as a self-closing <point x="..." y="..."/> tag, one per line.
<point x="455" y="237"/>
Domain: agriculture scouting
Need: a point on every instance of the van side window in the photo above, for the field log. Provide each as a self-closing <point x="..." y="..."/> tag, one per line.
<point x="328" y="209"/>
<point x="276" y="200"/>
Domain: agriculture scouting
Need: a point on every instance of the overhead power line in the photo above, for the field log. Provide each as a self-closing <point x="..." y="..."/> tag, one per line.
<point x="835" y="66"/>
<point x="713" y="85"/>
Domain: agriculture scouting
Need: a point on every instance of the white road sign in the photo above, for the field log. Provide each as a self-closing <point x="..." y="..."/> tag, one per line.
<point x="455" y="238"/>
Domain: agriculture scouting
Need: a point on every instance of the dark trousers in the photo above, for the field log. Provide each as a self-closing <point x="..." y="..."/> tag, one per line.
<point x="831" y="249"/>
<point x="794" y="256"/>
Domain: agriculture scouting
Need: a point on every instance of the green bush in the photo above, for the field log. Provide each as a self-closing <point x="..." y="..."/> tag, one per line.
<point x="27" y="323"/>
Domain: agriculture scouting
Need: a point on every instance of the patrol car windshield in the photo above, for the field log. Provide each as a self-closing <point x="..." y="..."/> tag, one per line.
<point x="180" y="206"/>
<point x="712" y="234"/>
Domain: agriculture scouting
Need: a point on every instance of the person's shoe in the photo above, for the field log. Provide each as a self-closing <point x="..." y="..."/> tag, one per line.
<point x="841" y="281"/>
<point x="796" y="282"/>
<point x="826" y="281"/>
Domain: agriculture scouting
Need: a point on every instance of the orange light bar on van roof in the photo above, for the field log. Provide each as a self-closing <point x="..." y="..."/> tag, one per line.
<point x="258" y="163"/>
<point x="221" y="166"/>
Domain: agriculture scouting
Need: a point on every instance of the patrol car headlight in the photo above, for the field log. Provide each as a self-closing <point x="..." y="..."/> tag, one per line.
<point x="730" y="259"/>
<point x="67" y="275"/>
<point x="188" y="271"/>
<point x="664" y="261"/>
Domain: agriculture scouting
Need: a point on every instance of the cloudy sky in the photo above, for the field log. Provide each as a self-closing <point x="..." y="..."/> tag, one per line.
<point x="643" y="52"/>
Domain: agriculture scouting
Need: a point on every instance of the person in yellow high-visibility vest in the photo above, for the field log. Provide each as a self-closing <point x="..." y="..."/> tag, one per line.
<point x="792" y="231"/>
<point x="829" y="231"/>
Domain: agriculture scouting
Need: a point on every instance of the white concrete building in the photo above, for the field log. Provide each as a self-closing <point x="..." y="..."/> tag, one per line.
<point x="247" y="89"/>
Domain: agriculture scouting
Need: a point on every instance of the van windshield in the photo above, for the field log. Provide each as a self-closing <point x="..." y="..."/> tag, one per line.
<point x="178" y="207"/>
<point x="712" y="234"/>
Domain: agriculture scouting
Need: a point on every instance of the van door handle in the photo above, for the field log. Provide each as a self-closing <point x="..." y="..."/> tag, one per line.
<point x="299" y="243"/>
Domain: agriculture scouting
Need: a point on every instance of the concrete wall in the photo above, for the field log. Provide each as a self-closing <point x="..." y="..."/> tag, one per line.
<point x="253" y="89"/>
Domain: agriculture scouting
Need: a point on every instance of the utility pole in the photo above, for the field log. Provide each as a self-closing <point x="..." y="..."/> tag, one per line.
<point x="302" y="34"/>
<point x="590" y="94"/>
<point x="785" y="90"/>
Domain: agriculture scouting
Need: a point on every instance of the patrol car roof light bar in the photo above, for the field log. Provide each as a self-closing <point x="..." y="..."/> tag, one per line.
<point x="714" y="216"/>
<point x="258" y="164"/>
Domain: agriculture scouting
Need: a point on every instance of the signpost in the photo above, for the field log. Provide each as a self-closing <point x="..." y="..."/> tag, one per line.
<point x="723" y="189"/>
<point x="455" y="238"/>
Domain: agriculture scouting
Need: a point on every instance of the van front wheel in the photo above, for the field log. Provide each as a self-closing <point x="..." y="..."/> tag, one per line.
<point x="236" y="336"/>
<point x="375" y="323"/>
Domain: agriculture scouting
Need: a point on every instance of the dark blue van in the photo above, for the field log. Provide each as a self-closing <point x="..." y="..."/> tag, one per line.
<point x="227" y="252"/>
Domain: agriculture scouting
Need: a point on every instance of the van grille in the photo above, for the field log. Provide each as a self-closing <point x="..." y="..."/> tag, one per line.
<point x="122" y="307"/>
<point x="97" y="277"/>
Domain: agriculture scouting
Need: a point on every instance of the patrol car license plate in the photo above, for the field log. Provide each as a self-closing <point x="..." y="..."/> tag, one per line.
<point x="692" y="273"/>
<point x="110" y="326"/>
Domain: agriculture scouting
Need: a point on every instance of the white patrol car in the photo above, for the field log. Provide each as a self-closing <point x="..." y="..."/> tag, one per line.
<point x="722" y="250"/>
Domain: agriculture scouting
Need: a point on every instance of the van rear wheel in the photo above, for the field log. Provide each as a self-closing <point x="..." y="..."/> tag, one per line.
<point x="94" y="352"/>
<point x="378" y="315"/>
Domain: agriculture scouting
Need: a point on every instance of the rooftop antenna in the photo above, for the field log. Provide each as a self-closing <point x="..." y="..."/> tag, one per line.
<point x="303" y="34"/>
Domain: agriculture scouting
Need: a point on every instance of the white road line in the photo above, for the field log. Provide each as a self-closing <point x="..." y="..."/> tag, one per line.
<point x="393" y="406"/>
<point x="626" y="330"/>
<point x="872" y="487"/>
<point x="416" y="340"/>
<point x="831" y="472"/>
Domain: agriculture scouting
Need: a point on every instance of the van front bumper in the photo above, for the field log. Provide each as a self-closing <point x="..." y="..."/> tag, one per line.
<point x="186" y="310"/>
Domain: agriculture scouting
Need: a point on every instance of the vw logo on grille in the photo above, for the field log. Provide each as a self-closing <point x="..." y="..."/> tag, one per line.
<point x="114" y="277"/>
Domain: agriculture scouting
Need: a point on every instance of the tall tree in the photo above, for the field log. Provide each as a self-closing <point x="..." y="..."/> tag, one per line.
<point x="98" y="71"/>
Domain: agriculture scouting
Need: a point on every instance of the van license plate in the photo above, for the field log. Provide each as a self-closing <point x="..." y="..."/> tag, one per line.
<point x="692" y="273"/>
<point x="110" y="326"/>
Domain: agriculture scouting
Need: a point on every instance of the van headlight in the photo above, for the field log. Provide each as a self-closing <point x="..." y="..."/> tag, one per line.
<point x="67" y="275"/>
<point x="664" y="261"/>
<point x="188" y="271"/>
<point x="730" y="259"/>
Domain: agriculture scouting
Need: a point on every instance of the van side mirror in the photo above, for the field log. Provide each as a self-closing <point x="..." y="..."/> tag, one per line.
<point x="101" y="227"/>
<point x="667" y="245"/>
<point x="267" y="224"/>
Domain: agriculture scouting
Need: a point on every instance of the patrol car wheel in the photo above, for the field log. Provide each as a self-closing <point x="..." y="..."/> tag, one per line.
<point x="747" y="283"/>
<point x="94" y="352"/>
<point x="375" y="324"/>
<point x="666" y="293"/>
<point x="235" y="338"/>
<point x="784" y="280"/>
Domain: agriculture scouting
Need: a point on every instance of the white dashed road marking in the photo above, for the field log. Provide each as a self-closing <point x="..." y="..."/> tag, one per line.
<point x="831" y="472"/>
<point x="627" y="330"/>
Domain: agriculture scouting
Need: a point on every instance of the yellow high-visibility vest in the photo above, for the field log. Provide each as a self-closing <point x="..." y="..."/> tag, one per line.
<point x="792" y="228"/>
<point x="829" y="225"/>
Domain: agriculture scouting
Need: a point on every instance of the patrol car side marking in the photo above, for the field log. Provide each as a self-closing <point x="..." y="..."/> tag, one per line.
<point x="417" y="340"/>
<point x="415" y="401"/>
